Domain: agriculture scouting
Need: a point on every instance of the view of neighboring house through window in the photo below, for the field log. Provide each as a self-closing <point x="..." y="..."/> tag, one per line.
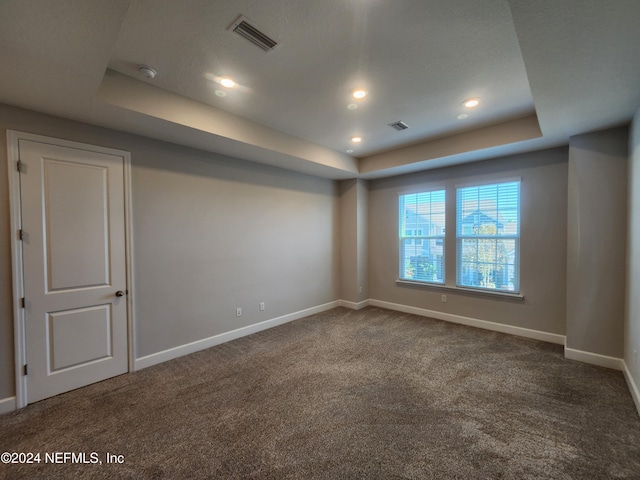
<point x="488" y="236"/>
<point x="421" y="232"/>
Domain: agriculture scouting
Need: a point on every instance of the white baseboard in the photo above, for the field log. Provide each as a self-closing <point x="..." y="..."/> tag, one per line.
<point x="354" y="305"/>
<point x="594" y="358"/>
<point x="8" y="405"/>
<point x="473" y="322"/>
<point x="170" y="354"/>
<point x="633" y="387"/>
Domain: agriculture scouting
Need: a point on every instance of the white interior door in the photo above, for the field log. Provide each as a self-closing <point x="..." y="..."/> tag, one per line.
<point x="74" y="266"/>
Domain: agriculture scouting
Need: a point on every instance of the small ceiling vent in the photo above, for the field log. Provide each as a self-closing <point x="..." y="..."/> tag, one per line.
<point x="242" y="27"/>
<point x="400" y="125"/>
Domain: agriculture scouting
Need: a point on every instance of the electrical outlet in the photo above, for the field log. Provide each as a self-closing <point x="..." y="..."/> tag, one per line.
<point x="360" y="289"/>
<point x="261" y="306"/>
<point x="238" y="312"/>
<point x="443" y="298"/>
<point x="635" y="356"/>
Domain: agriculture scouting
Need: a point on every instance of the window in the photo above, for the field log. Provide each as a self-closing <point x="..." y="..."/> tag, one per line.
<point x="488" y="236"/>
<point x="421" y="232"/>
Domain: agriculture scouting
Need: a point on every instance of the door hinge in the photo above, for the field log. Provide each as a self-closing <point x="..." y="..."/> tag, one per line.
<point x="22" y="302"/>
<point x="21" y="234"/>
<point x="19" y="166"/>
<point x="25" y="369"/>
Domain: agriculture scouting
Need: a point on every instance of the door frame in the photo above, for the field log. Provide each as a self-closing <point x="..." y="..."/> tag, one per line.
<point x="15" y="203"/>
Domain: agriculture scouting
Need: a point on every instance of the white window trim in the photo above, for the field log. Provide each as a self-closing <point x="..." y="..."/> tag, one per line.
<point x="462" y="290"/>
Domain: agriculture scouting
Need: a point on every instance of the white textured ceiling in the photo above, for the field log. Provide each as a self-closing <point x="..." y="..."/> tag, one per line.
<point x="544" y="70"/>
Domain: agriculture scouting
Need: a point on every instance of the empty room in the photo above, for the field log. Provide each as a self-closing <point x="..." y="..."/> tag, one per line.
<point x="323" y="239"/>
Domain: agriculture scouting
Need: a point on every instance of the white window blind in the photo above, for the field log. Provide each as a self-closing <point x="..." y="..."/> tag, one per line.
<point x="421" y="232"/>
<point x="488" y="236"/>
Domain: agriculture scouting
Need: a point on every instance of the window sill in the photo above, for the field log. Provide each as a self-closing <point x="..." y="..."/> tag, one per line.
<point x="464" y="291"/>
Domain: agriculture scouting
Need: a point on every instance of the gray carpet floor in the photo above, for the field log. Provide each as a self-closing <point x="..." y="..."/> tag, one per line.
<point x="369" y="394"/>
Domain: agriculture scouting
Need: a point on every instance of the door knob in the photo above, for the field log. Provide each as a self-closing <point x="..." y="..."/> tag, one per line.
<point x="119" y="293"/>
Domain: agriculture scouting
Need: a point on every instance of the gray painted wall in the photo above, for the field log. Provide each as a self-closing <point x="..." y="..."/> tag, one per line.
<point x="363" y="239"/>
<point x="349" y="240"/>
<point x="7" y="378"/>
<point x="211" y="233"/>
<point x="543" y="241"/>
<point x="597" y="237"/>
<point x="354" y="239"/>
<point x="632" y="320"/>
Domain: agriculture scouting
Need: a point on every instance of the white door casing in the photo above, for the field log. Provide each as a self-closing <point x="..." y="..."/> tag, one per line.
<point x="73" y="211"/>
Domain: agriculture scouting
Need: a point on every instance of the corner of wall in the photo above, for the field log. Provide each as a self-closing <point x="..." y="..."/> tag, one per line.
<point x="633" y="386"/>
<point x="632" y="304"/>
<point x="353" y="240"/>
<point x="8" y="405"/>
<point x="596" y="229"/>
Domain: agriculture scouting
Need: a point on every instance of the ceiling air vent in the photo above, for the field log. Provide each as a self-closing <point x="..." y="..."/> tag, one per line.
<point x="242" y="27"/>
<point x="400" y="125"/>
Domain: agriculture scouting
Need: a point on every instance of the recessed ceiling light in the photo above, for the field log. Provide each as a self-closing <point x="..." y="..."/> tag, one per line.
<point x="227" y="82"/>
<point x="471" y="102"/>
<point x="462" y="116"/>
<point x="359" y="93"/>
<point x="352" y="106"/>
<point x="349" y="151"/>
<point x="221" y="93"/>
<point x="356" y="139"/>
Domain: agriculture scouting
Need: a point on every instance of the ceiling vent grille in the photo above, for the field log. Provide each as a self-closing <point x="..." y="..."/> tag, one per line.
<point x="400" y="125"/>
<point x="242" y="27"/>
